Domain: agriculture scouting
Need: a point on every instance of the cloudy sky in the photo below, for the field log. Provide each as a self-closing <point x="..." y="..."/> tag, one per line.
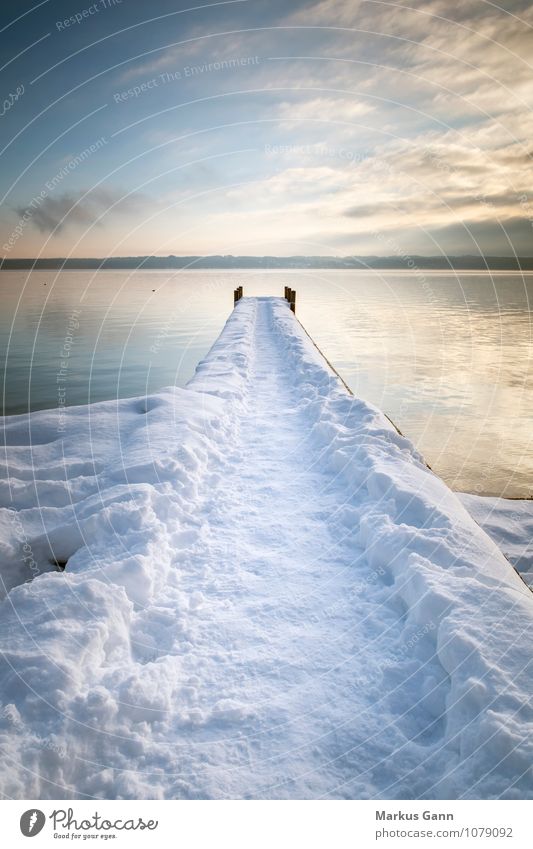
<point x="266" y="126"/>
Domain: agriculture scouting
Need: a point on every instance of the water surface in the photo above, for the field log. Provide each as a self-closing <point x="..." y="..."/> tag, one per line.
<point x="446" y="355"/>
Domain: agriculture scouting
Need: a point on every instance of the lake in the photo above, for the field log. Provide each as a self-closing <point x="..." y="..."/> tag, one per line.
<point x="447" y="355"/>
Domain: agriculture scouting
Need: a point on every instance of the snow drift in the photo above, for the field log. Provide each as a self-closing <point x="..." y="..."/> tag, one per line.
<point x="509" y="522"/>
<point x="265" y="593"/>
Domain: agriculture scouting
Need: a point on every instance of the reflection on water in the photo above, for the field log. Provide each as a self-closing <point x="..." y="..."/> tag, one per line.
<point x="447" y="356"/>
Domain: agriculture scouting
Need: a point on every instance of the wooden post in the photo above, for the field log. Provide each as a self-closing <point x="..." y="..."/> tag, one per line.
<point x="286" y="293"/>
<point x="293" y="301"/>
<point x="240" y="292"/>
<point x="235" y="296"/>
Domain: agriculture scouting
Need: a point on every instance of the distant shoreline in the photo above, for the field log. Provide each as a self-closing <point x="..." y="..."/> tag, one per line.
<point x="407" y="263"/>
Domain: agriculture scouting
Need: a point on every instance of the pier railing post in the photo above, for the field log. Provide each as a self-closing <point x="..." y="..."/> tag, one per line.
<point x="290" y="296"/>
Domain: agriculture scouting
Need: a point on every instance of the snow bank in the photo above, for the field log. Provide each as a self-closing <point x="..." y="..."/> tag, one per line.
<point x="509" y="522"/>
<point x="456" y="587"/>
<point x="115" y="491"/>
<point x="266" y="593"/>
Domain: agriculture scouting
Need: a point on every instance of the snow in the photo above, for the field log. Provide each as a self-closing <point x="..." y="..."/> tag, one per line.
<point x="509" y="522"/>
<point x="267" y="595"/>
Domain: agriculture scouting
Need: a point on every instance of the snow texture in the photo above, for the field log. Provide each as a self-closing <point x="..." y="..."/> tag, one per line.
<point x="267" y="594"/>
<point x="509" y="522"/>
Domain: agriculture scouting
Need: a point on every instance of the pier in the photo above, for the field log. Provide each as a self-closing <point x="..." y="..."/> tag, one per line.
<point x="266" y="594"/>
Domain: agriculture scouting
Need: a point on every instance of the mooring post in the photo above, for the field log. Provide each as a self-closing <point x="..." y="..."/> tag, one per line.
<point x="293" y="300"/>
<point x="240" y="292"/>
<point x="287" y="293"/>
<point x="235" y="296"/>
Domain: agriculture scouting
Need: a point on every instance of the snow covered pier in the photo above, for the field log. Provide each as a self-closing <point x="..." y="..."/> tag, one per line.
<point x="267" y="594"/>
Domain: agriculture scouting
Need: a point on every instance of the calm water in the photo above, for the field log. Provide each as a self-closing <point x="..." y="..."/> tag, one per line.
<point x="447" y="356"/>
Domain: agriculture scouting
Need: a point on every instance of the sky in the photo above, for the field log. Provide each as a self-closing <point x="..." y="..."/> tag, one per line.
<point x="281" y="127"/>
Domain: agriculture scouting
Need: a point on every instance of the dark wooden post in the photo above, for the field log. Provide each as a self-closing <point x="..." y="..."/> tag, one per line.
<point x="235" y="296"/>
<point x="286" y="293"/>
<point x="240" y="292"/>
<point x="293" y="300"/>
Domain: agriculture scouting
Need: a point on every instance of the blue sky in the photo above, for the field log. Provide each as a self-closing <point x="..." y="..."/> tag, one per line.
<point x="335" y="127"/>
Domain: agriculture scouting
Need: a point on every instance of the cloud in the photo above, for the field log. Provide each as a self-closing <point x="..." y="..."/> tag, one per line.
<point x="331" y="108"/>
<point x="473" y="51"/>
<point x="493" y="237"/>
<point x="165" y="59"/>
<point x="53" y="214"/>
<point x="343" y="12"/>
<point x="361" y="117"/>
